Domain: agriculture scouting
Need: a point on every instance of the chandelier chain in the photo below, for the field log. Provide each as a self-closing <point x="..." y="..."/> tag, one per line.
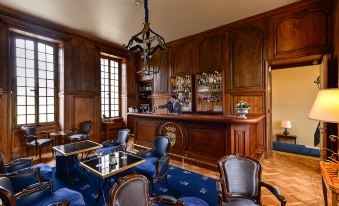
<point x="146" y="11"/>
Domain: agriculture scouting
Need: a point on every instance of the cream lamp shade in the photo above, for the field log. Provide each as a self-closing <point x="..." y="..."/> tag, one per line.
<point x="286" y="124"/>
<point x="326" y="106"/>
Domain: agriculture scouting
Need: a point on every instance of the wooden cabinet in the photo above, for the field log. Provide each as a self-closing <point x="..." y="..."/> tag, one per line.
<point x="161" y="79"/>
<point x="211" y="53"/>
<point x="301" y="32"/>
<point x="183" y="58"/>
<point x="245" y="58"/>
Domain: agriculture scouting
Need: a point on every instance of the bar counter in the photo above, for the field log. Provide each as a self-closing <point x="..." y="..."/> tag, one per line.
<point x="201" y="138"/>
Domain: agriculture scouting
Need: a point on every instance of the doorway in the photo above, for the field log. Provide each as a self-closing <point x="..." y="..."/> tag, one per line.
<point x="294" y="90"/>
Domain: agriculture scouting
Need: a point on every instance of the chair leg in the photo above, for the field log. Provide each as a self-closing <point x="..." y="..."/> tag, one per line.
<point x="36" y="151"/>
<point x="27" y="152"/>
<point x="40" y="153"/>
<point x="153" y="187"/>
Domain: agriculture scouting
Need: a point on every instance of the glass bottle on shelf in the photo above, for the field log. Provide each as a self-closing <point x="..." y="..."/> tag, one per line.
<point x="209" y="92"/>
<point x="182" y="88"/>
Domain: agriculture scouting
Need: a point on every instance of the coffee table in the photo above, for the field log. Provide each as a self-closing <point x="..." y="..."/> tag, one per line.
<point x="63" y="134"/>
<point x="107" y="165"/>
<point x="69" y="151"/>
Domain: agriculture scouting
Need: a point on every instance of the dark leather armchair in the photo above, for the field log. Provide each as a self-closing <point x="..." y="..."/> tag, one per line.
<point x="46" y="171"/>
<point x="240" y="182"/>
<point x="81" y="133"/>
<point x="34" y="192"/>
<point x="137" y="185"/>
<point x="32" y="140"/>
<point x="115" y="145"/>
<point x="156" y="162"/>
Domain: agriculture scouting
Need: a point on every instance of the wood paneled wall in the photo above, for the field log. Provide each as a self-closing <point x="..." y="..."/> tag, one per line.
<point x="79" y="92"/>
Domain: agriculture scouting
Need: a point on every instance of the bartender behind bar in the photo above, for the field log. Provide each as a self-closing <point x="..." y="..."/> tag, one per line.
<point x="173" y="106"/>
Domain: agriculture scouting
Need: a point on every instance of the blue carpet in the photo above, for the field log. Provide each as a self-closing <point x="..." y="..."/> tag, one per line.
<point x="181" y="183"/>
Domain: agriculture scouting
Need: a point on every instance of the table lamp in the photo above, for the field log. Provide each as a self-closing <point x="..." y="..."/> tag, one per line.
<point x="287" y="125"/>
<point x="326" y="107"/>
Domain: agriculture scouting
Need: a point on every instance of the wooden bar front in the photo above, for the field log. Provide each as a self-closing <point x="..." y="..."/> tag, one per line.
<point x="201" y="138"/>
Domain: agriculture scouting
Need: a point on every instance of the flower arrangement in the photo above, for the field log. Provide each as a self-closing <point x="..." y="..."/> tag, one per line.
<point x="242" y="105"/>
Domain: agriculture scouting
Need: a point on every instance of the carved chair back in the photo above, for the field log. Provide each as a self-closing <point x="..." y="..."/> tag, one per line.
<point x="6" y="195"/>
<point x="161" y="145"/>
<point x="130" y="190"/>
<point x="2" y="164"/>
<point x="29" y="133"/>
<point x="240" y="177"/>
<point x="85" y="127"/>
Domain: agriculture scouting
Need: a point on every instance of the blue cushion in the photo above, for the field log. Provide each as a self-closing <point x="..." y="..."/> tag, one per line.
<point x="147" y="168"/>
<point x="14" y="168"/>
<point x="193" y="201"/>
<point x="105" y="150"/>
<point x="77" y="136"/>
<point x="45" y="197"/>
<point x="46" y="171"/>
<point x="22" y="181"/>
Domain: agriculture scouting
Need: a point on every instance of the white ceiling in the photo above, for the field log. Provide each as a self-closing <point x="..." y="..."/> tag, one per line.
<point x="118" y="20"/>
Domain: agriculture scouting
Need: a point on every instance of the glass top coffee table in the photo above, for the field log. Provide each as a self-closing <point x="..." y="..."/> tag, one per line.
<point x="77" y="147"/>
<point x="107" y="165"/>
<point x="110" y="164"/>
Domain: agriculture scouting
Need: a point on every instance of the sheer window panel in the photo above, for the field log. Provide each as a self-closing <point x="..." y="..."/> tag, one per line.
<point x="21" y="100"/>
<point x="42" y="92"/>
<point x="29" y="54"/>
<point x="20" y="43"/>
<point x="30" y="63"/>
<point x="41" y="47"/>
<point x="49" y="58"/>
<point x="50" y="66"/>
<point x="42" y="74"/>
<point x="30" y="91"/>
<point x="31" y="101"/>
<point x="50" y="75"/>
<point x="21" y="110"/>
<point x="20" y="52"/>
<point x="50" y="100"/>
<point x="49" y="50"/>
<point x="42" y="100"/>
<point x="29" y="45"/>
<point x="21" y="119"/>
<point x="50" y="117"/>
<point x="21" y="91"/>
<point x="30" y="73"/>
<point x="50" y="108"/>
<point x="43" y="118"/>
<point x="30" y="119"/>
<point x="20" y="62"/>
<point x="43" y="109"/>
<point x="42" y="65"/>
<point x="50" y="92"/>
<point x="30" y="109"/>
<point x="41" y="56"/>
<point x="42" y="82"/>
<point x="21" y="81"/>
<point x="30" y="82"/>
<point x="20" y="72"/>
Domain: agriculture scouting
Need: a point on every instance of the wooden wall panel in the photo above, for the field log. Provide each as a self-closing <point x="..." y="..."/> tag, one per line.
<point x="239" y="141"/>
<point x="161" y="79"/>
<point x="255" y="100"/>
<point x="161" y="100"/>
<point x="211" y="53"/>
<point x="246" y="54"/>
<point x="183" y="58"/>
<point x="145" y="131"/>
<point x="84" y="67"/>
<point x="302" y="32"/>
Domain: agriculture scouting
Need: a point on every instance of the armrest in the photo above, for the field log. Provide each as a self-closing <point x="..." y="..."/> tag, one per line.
<point x="276" y="193"/>
<point x="145" y="153"/>
<point x="18" y="164"/>
<point x="63" y="203"/>
<point x="168" y="200"/>
<point x="32" y="138"/>
<point x="162" y="166"/>
<point x="33" y="189"/>
<point x="107" y="142"/>
<point x="43" y="132"/>
<point x="220" y="192"/>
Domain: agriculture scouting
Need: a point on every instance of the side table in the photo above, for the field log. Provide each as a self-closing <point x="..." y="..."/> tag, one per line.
<point x="330" y="181"/>
<point x="289" y="136"/>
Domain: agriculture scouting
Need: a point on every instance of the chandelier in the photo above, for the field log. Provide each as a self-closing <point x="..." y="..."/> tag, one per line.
<point x="147" y="44"/>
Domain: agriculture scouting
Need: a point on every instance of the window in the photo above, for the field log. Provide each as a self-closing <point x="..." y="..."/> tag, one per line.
<point x="35" y="71"/>
<point x="110" y="101"/>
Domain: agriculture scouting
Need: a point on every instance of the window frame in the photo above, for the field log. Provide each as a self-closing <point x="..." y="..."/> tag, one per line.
<point x="12" y="47"/>
<point x="109" y="58"/>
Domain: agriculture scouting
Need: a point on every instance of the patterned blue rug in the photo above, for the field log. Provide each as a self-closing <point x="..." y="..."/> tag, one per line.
<point x="181" y="183"/>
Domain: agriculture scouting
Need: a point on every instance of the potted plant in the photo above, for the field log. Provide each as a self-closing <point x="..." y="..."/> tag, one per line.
<point x="242" y="108"/>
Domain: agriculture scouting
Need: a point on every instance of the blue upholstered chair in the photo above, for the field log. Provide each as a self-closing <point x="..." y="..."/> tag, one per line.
<point x="118" y="145"/>
<point x="240" y="183"/>
<point x="33" y="142"/>
<point x="39" y="194"/>
<point x="137" y="185"/>
<point x="82" y="133"/>
<point x="156" y="162"/>
<point x="25" y="163"/>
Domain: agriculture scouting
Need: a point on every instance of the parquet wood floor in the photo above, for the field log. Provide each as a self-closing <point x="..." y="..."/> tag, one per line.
<point x="300" y="184"/>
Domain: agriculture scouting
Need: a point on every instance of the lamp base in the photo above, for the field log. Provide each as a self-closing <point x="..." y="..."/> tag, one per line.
<point x="285" y="132"/>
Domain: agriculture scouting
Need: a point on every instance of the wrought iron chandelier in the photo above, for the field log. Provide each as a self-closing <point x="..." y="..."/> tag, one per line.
<point x="147" y="43"/>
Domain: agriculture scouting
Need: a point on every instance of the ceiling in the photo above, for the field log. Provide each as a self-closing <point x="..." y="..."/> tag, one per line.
<point x="117" y="20"/>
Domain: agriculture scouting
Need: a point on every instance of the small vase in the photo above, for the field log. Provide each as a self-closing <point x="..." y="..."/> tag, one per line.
<point x="242" y="112"/>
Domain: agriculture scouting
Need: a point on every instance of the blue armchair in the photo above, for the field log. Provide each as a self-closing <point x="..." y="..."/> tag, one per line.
<point x="82" y="134"/>
<point x="24" y="163"/>
<point x="118" y="145"/>
<point x="156" y="162"/>
<point x="35" y="194"/>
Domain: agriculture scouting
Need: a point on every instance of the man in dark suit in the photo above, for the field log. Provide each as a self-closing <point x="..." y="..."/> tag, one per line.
<point x="173" y="106"/>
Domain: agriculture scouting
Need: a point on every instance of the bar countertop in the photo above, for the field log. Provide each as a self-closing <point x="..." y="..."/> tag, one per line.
<point x="218" y="118"/>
